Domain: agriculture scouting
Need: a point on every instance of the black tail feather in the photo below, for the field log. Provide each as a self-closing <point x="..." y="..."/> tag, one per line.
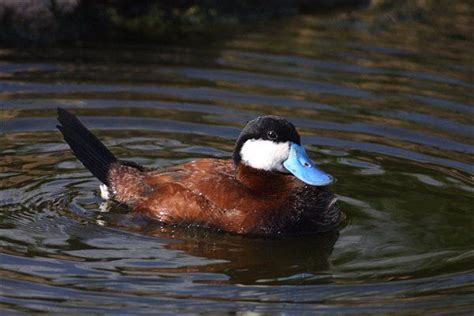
<point x="85" y="145"/>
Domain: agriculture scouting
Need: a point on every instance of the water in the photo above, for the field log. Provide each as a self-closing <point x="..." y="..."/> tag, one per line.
<point x="384" y="104"/>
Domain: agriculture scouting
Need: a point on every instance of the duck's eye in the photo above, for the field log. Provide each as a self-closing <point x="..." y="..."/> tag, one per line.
<point x="272" y="135"/>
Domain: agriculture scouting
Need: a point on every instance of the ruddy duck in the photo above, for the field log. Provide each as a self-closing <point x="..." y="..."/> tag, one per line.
<point x="270" y="186"/>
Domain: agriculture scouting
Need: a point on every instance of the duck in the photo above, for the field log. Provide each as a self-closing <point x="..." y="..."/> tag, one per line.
<point x="268" y="187"/>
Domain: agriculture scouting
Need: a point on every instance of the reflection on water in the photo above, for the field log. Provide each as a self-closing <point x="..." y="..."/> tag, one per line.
<point x="384" y="104"/>
<point x="248" y="260"/>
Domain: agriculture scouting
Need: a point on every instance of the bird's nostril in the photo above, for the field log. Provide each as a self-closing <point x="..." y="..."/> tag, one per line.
<point x="306" y="164"/>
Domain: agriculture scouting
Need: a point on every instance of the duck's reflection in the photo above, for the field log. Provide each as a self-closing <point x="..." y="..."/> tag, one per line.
<point x="249" y="260"/>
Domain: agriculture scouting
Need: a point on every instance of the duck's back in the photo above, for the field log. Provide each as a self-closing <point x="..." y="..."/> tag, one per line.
<point x="204" y="192"/>
<point x="213" y="193"/>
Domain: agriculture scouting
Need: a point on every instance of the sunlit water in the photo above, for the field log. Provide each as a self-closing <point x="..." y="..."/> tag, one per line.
<point x="385" y="109"/>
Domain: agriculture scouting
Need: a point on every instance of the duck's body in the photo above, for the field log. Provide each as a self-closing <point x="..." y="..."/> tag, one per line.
<point x="226" y="195"/>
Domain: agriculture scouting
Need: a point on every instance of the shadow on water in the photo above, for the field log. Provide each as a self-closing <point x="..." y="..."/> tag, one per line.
<point x="389" y="116"/>
<point x="293" y="259"/>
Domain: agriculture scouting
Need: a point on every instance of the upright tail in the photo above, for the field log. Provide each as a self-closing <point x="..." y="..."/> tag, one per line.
<point x="86" y="146"/>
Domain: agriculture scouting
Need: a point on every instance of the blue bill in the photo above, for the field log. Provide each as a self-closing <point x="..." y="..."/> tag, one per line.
<point x="302" y="167"/>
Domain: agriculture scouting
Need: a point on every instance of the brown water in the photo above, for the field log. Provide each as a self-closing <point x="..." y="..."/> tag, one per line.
<point x="384" y="104"/>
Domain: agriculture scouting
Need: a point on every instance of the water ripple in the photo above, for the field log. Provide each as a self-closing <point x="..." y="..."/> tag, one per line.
<point x="389" y="116"/>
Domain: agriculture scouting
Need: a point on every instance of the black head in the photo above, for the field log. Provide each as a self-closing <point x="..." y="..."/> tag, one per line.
<point x="270" y="128"/>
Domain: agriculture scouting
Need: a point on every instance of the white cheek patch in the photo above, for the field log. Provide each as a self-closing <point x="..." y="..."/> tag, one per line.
<point x="265" y="154"/>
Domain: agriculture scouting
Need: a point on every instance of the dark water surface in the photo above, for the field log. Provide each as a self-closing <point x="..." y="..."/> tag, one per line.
<point x="383" y="104"/>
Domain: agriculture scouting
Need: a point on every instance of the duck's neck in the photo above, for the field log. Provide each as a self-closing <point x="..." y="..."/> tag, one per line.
<point x="262" y="181"/>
